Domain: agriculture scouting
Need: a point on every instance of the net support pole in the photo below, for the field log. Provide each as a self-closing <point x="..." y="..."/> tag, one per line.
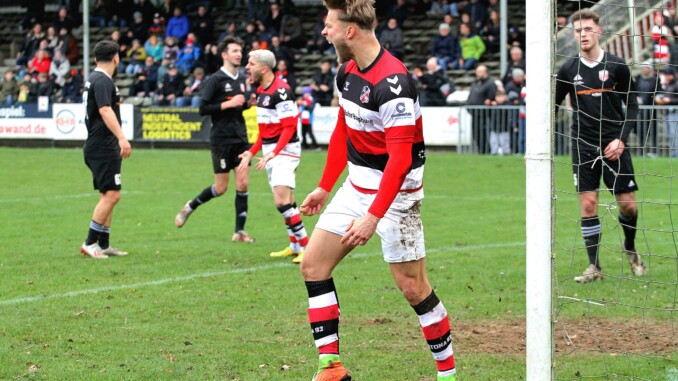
<point x="85" y="38"/>
<point x="539" y="189"/>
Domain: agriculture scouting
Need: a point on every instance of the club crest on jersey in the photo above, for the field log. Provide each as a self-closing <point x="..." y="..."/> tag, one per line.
<point x="365" y="94"/>
<point x="603" y="75"/>
<point x="242" y="87"/>
<point x="266" y="101"/>
<point x="228" y="87"/>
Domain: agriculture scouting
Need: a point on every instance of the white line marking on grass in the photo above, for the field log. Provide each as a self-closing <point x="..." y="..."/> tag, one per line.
<point x="30" y="299"/>
<point x="58" y="197"/>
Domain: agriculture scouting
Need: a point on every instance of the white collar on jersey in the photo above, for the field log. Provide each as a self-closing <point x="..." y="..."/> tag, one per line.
<point x="229" y="74"/>
<point x="102" y="71"/>
<point x="594" y="63"/>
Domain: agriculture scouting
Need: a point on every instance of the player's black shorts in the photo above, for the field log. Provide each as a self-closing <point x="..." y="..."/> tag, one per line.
<point x="589" y="163"/>
<point x="105" y="173"/>
<point x="225" y="157"/>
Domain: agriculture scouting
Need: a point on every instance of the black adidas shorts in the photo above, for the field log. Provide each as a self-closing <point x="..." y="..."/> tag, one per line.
<point x="105" y="173"/>
<point x="225" y="157"/>
<point x="589" y="164"/>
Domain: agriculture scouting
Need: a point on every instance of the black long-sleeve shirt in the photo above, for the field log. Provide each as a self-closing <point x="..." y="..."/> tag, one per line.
<point x="228" y="125"/>
<point x="598" y="94"/>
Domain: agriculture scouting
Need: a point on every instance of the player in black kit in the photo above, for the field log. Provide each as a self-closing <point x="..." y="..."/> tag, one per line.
<point x="105" y="147"/>
<point x="599" y="85"/>
<point x="224" y="99"/>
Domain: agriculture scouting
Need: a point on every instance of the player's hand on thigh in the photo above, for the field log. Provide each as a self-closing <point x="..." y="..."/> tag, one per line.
<point x="245" y="159"/>
<point x="360" y="230"/>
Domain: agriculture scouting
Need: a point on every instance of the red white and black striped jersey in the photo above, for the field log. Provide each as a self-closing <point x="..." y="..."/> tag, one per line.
<point x="379" y="106"/>
<point x="277" y="116"/>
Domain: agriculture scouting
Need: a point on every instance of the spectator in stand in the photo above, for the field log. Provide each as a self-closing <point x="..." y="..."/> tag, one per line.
<point x="491" y="32"/>
<point x="30" y="45"/>
<point x="40" y="63"/>
<point x="163" y="69"/>
<point x="421" y="7"/>
<point x="146" y="79"/>
<point x="661" y="39"/>
<point x="250" y="35"/>
<point x="647" y="84"/>
<point x="263" y="35"/>
<point x="391" y="38"/>
<point x="323" y="83"/>
<point x="157" y="28"/>
<point x="147" y="10"/>
<point x="188" y="57"/>
<point x="281" y="52"/>
<point x="68" y="45"/>
<point x="292" y="32"/>
<point x="434" y="84"/>
<point x="472" y="48"/>
<point x="138" y="27"/>
<point x="52" y="40"/>
<point x="306" y="106"/>
<point x="28" y="90"/>
<point x="261" y="10"/>
<point x="154" y="48"/>
<point x="119" y="13"/>
<point x="439" y="8"/>
<point x="211" y="59"/>
<point x="45" y="86"/>
<point x="515" y="93"/>
<point x="318" y="43"/>
<point x="59" y="68"/>
<point x="231" y="31"/>
<point x="171" y="49"/>
<point x="192" y="92"/>
<point x="477" y="10"/>
<point x="99" y="14"/>
<point x="178" y="26"/>
<point x="63" y="20"/>
<point x="71" y="92"/>
<point x="669" y="96"/>
<point x="445" y="47"/>
<point x="35" y="13"/>
<point x="670" y="18"/>
<point x="398" y="11"/>
<point x="517" y="61"/>
<point x="482" y="93"/>
<point x="203" y="25"/>
<point x="171" y="88"/>
<point x="561" y="22"/>
<point x="9" y="89"/>
<point x="273" y="19"/>
<point x="286" y="73"/>
<point x="500" y="136"/>
<point x="137" y="56"/>
<point x="122" y="42"/>
<point x="516" y="38"/>
<point x="166" y="9"/>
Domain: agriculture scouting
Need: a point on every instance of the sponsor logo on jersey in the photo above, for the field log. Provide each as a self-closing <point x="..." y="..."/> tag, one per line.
<point x="228" y="88"/>
<point x="578" y="80"/>
<point x="604" y="75"/>
<point x="358" y="118"/>
<point x="365" y="94"/>
<point x="346" y="85"/>
<point x="266" y="101"/>
<point x="393" y="81"/>
<point x="401" y="111"/>
<point x="282" y="93"/>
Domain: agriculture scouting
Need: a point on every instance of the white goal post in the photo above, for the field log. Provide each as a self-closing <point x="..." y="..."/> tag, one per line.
<point x="539" y="190"/>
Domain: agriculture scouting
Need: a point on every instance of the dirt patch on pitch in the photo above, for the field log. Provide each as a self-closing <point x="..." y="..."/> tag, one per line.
<point x="599" y="335"/>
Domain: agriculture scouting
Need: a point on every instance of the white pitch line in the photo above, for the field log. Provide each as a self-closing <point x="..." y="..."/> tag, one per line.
<point x="30" y="299"/>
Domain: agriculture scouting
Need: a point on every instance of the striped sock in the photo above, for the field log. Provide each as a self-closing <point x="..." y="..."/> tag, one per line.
<point x="436" y="327"/>
<point x="323" y="314"/>
<point x="296" y="226"/>
<point x="590" y="230"/>
<point x="95" y="231"/>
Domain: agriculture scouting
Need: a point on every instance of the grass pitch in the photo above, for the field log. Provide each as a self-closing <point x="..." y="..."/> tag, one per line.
<point x="188" y="304"/>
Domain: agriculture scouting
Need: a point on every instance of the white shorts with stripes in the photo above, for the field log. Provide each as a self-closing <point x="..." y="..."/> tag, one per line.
<point x="282" y="169"/>
<point x="401" y="229"/>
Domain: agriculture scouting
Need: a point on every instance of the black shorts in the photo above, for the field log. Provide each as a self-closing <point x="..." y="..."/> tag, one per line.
<point x="589" y="164"/>
<point x="225" y="157"/>
<point x="105" y="173"/>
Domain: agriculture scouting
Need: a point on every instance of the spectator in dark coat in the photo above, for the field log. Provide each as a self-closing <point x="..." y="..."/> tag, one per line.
<point x="434" y="84"/>
<point x="647" y="84"/>
<point x="445" y="47"/>
<point x="146" y="79"/>
<point x="391" y="38"/>
<point x="203" y="25"/>
<point x="171" y="88"/>
<point x="398" y="11"/>
<point x="323" y="83"/>
<point x="517" y="62"/>
<point x="483" y="92"/>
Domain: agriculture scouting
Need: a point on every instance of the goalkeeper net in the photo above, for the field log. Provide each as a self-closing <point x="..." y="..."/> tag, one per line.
<point x="625" y="327"/>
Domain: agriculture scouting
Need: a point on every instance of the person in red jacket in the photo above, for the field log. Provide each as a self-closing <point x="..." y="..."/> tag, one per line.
<point x="40" y="63"/>
<point x="278" y="117"/>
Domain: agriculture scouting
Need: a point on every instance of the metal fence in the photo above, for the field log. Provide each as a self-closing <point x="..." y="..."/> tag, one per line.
<point x="500" y="130"/>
